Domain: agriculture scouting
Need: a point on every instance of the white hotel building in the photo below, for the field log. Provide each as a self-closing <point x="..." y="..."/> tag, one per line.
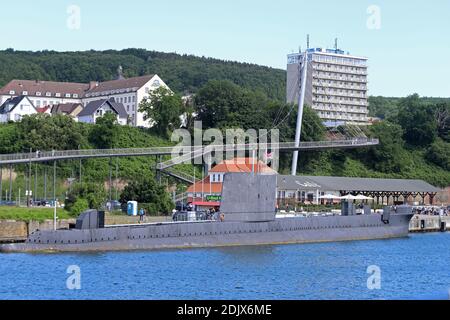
<point x="130" y="92"/>
<point x="336" y="84"/>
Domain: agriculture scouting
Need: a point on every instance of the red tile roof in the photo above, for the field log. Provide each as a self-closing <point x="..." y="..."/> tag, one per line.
<point x="42" y="109"/>
<point x="216" y="187"/>
<point x="130" y="83"/>
<point x="33" y="86"/>
<point x="242" y="165"/>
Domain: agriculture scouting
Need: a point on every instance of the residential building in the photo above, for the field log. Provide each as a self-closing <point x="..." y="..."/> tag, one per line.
<point x="44" y="93"/>
<point x="98" y="108"/>
<point x="128" y="91"/>
<point x="336" y="85"/>
<point x="70" y="109"/>
<point x="13" y="109"/>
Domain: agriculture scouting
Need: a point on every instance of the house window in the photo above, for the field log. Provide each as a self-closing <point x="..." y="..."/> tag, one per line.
<point x="12" y="92"/>
<point x="58" y="95"/>
<point x="25" y="93"/>
<point x="48" y="94"/>
<point x="67" y="95"/>
<point x="156" y="83"/>
<point x="38" y="94"/>
<point x="75" y="96"/>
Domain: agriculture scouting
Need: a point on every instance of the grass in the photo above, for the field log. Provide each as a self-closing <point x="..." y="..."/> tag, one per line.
<point x="26" y="214"/>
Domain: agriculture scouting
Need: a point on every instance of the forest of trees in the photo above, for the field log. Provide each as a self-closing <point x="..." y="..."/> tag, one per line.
<point x="184" y="74"/>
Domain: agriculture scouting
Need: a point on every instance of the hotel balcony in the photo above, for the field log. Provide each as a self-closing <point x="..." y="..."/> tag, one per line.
<point x="338" y="86"/>
<point x="346" y="79"/>
<point x="340" y="102"/>
<point x="339" y="94"/>
<point x="337" y="70"/>
<point x="315" y="59"/>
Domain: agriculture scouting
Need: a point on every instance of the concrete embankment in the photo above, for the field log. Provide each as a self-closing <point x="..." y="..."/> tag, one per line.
<point x="12" y="230"/>
<point x="423" y="223"/>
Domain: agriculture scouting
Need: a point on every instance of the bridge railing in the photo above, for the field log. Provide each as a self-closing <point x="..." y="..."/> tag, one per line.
<point x="195" y="151"/>
<point x="200" y="151"/>
<point x="84" y="153"/>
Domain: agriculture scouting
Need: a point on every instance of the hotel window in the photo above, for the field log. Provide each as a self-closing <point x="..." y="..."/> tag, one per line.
<point x="57" y="95"/>
<point x="128" y="108"/>
<point x="12" y="92"/>
<point x="25" y="93"/>
<point x="75" y="96"/>
<point x="48" y="94"/>
<point x="67" y="95"/>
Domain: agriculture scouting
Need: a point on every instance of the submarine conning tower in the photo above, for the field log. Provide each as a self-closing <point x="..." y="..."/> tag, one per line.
<point x="249" y="197"/>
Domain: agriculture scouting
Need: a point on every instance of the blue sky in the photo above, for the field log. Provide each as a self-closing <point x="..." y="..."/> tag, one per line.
<point x="409" y="53"/>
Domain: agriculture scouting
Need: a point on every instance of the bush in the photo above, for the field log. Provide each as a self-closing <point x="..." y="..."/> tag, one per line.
<point x="439" y="154"/>
<point x="79" y="206"/>
<point x="145" y="190"/>
<point x="93" y="193"/>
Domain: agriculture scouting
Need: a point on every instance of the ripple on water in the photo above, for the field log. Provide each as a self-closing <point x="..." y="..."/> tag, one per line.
<point x="410" y="267"/>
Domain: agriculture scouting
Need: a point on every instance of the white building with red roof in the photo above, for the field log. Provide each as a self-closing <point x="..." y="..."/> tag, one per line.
<point x="210" y="188"/>
<point x="128" y="91"/>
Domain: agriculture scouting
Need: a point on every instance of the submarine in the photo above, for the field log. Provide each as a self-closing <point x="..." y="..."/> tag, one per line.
<point x="247" y="217"/>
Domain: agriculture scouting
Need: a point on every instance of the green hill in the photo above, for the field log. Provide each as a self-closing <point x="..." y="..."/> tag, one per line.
<point x="183" y="73"/>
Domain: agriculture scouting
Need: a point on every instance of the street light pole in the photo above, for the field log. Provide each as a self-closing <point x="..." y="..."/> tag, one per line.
<point x="54" y="195"/>
<point x="29" y="180"/>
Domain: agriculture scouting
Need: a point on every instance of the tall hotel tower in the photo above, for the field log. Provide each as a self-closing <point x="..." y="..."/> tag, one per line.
<point x="336" y="84"/>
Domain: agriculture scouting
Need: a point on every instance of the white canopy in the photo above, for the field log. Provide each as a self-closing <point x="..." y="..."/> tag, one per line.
<point x="361" y="197"/>
<point x="358" y="197"/>
<point x="348" y="197"/>
<point x="329" y="196"/>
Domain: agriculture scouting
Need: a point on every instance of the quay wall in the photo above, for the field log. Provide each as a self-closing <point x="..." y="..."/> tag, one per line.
<point x="425" y="223"/>
<point x="12" y="230"/>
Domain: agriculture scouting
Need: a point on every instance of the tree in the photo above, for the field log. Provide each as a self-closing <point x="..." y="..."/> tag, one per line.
<point x="223" y="104"/>
<point x="93" y="193"/>
<point x="105" y="131"/>
<point x="163" y="108"/>
<point x="389" y="156"/>
<point x="45" y="132"/>
<point x="442" y="115"/>
<point x="417" y="120"/>
<point x="145" y="190"/>
<point x="439" y="153"/>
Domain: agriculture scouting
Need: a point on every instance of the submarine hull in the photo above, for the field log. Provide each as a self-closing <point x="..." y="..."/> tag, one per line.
<point x="216" y="234"/>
